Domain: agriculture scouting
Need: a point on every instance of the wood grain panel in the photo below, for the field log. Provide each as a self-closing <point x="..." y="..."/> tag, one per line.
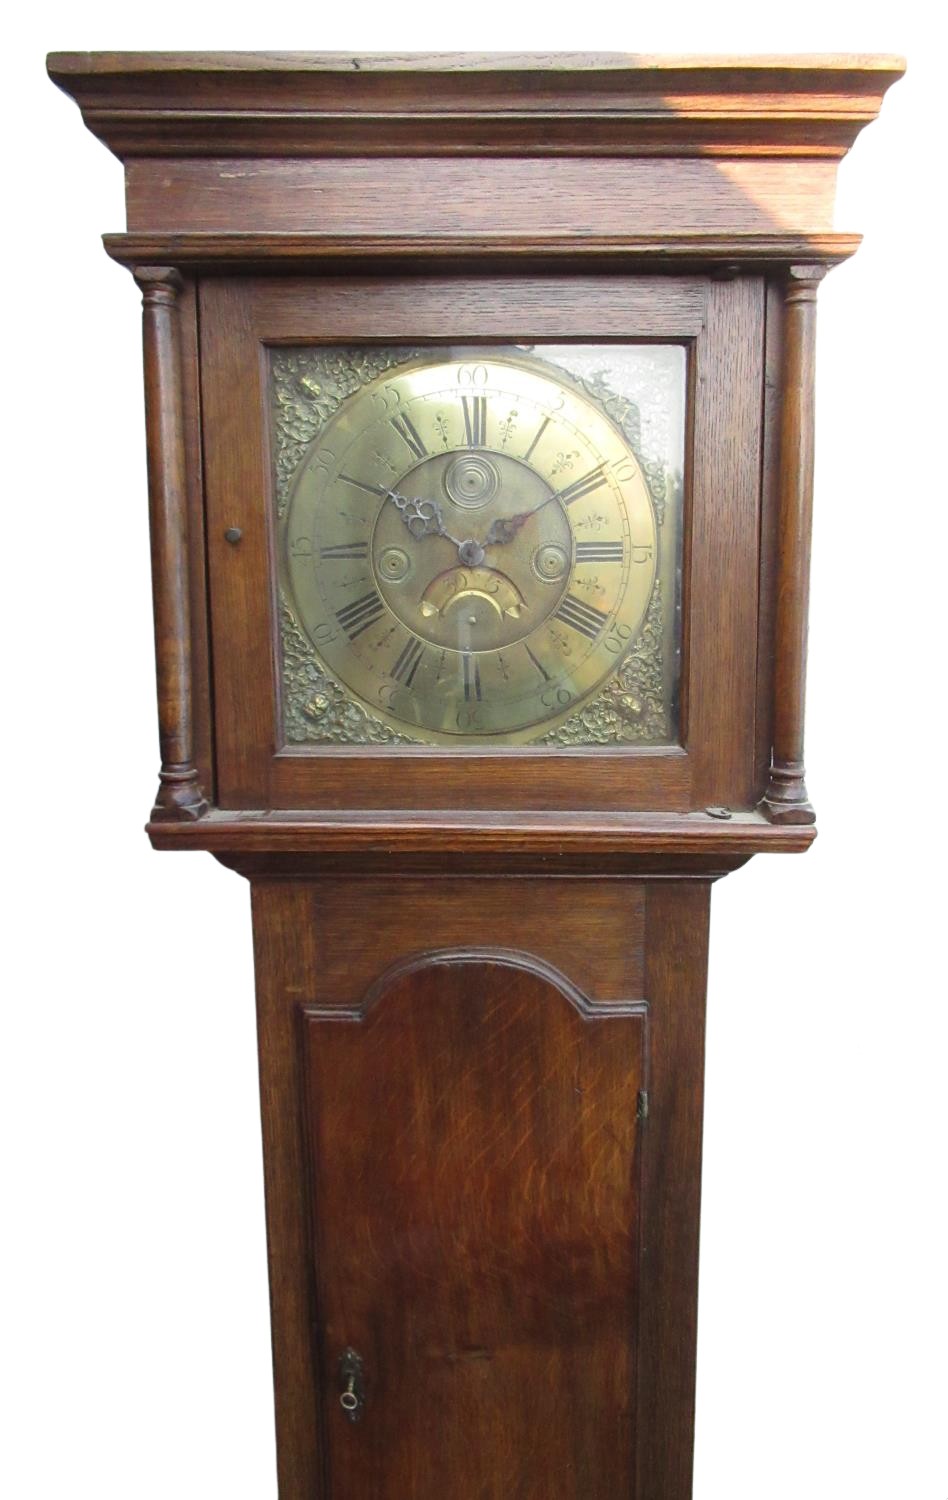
<point x="593" y="935"/>
<point x="722" y="548"/>
<point x="278" y="912"/>
<point x="677" y="918"/>
<point x="240" y="591"/>
<point x="474" y="1148"/>
<point x="365" y="196"/>
<point x="448" y="308"/>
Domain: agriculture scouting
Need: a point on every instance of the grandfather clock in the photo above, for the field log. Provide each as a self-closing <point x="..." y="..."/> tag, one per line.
<point x="479" y="403"/>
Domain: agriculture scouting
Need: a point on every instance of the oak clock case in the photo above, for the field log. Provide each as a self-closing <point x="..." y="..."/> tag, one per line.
<point x="480" y="449"/>
<point x="474" y="547"/>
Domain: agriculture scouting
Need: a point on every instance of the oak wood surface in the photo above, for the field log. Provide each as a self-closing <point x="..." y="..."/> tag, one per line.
<point x="473" y="103"/>
<point x="563" y="837"/>
<point x="769" y="512"/>
<point x="721" y="546"/>
<point x="474" y="1149"/>
<point x="359" y="196"/>
<point x="676" y="959"/>
<point x="179" y="793"/>
<point x="498" y="252"/>
<point x="786" y="798"/>
<point x="202" y="728"/>
<point x="385" y="1108"/>
<point x="285" y="930"/>
<point x="582" y="943"/>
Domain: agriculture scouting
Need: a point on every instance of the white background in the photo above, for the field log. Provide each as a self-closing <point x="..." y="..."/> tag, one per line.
<point x="135" y="1322"/>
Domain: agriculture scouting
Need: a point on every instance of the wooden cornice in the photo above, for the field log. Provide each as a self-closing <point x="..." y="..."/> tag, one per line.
<point x="288" y="253"/>
<point x="227" y="104"/>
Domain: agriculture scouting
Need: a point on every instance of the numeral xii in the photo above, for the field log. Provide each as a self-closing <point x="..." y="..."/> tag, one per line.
<point x="475" y="420"/>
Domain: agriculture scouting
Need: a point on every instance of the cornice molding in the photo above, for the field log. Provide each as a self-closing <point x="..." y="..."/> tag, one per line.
<point x="225" y="252"/>
<point x="500" y="104"/>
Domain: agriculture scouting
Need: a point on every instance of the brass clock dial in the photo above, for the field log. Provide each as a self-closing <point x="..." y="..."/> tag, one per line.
<point x="471" y="547"/>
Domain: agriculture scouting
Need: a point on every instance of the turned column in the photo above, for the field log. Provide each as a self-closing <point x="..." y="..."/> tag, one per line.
<point x="786" y="799"/>
<point x="179" y="793"/>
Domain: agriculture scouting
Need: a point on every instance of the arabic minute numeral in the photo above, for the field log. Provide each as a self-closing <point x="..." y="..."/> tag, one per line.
<point x="555" y="697"/>
<point x="617" y="638"/>
<point x="472" y="375"/>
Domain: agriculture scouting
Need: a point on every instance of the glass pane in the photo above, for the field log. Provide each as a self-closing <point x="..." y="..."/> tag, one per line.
<point x="479" y="546"/>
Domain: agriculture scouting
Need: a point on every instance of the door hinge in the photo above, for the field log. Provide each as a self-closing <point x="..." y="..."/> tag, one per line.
<point x="641" y="1112"/>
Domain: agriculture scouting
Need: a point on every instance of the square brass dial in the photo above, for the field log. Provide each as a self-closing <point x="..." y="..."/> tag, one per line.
<point x="479" y="546"/>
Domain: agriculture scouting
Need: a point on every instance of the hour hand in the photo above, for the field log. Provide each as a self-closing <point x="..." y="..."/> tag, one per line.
<point x="422" y="517"/>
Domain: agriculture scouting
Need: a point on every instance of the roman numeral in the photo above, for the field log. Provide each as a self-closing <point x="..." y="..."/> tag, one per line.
<point x="408" y="432"/>
<point x="346" y="549"/>
<point x="582" y="617"/>
<point x="538" y="664"/>
<point x="475" y="420"/>
<point x="371" y="489"/>
<point x="472" y="674"/>
<point x="407" y="664"/>
<point x="360" y="614"/>
<point x="584" y="486"/>
<point x="539" y="433"/>
<point x="590" y="552"/>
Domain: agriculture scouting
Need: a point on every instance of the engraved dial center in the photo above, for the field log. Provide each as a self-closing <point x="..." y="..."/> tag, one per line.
<point x="460" y="591"/>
